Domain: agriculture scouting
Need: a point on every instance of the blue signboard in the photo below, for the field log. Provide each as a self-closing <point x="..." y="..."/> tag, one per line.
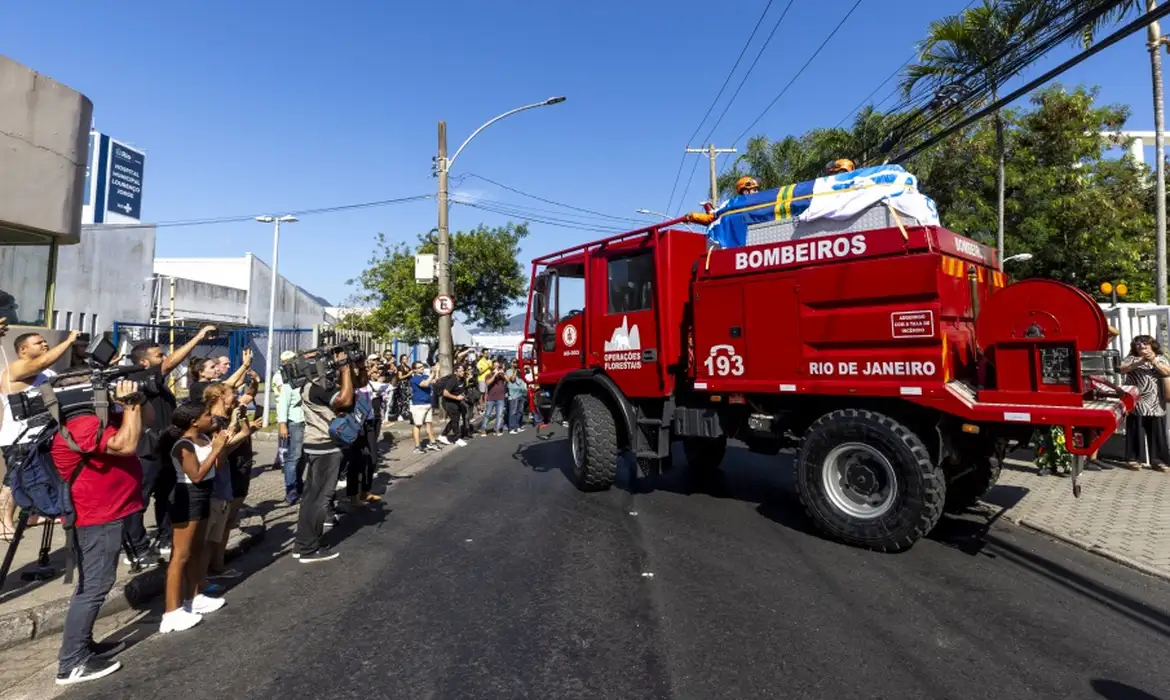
<point x="124" y="195"/>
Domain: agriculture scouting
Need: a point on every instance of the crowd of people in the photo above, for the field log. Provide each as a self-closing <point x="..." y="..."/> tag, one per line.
<point x="481" y="396"/>
<point x="193" y="458"/>
<point x="190" y="460"/>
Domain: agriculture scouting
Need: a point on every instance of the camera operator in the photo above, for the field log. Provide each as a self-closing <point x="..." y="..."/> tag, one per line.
<point x="25" y="373"/>
<point x="157" y="479"/>
<point x="323" y="458"/>
<point x="106" y="492"/>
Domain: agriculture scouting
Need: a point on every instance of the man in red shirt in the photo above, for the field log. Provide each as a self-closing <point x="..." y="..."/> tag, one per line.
<point x="108" y="489"/>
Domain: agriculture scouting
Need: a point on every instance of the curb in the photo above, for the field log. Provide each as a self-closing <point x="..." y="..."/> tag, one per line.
<point x="1094" y="549"/>
<point x="48" y="618"/>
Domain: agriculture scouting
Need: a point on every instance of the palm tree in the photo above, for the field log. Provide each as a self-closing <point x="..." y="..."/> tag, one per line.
<point x="799" y="158"/>
<point x="979" y="40"/>
<point x="1041" y="12"/>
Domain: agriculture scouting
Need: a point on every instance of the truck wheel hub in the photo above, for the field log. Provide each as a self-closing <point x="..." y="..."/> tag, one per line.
<point x="859" y="480"/>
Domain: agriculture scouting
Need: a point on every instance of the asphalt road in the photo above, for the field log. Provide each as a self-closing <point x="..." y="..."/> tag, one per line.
<point x="491" y="577"/>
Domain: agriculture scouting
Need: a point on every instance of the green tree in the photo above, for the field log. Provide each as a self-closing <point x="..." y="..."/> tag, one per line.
<point x="486" y="276"/>
<point x="1085" y="217"/>
<point x="1042" y="12"/>
<point x="979" y="39"/>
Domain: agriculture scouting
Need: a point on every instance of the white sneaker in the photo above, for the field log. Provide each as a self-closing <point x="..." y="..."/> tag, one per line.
<point x="202" y="604"/>
<point x="513" y="432"/>
<point x="179" y="620"/>
<point x="461" y="442"/>
<point x="443" y="439"/>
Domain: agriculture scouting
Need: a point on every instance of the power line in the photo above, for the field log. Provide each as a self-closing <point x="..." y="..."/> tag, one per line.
<point x="550" y="201"/>
<point x="252" y="217"/>
<point x="549" y="215"/>
<point x="951" y="96"/>
<point x="751" y="68"/>
<point x="719" y="94"/>
<point x="893" y="75"/>
<point x="801" y="71"/>
<point x="511" y="212"/>
<point x="735" y="94"/>
<point x="1136" y="25"/>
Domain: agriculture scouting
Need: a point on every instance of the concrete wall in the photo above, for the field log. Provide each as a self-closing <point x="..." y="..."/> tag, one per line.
<point x="199" y="302"/>
<point x="228" y="272"/>
<point x="103" y="279"/>
<point x="44" y="132"/>
<point x="294" y="308"/>
<point x="236" y="291"/>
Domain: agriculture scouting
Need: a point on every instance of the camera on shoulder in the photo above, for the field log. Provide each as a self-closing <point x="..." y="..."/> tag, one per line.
<point x="78" y="391"/>
<point x="321" y="365"/>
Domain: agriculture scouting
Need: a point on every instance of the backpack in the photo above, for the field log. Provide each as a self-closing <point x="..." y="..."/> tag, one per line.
<point x="37" y="485"/>
<point x="346" y="429"/>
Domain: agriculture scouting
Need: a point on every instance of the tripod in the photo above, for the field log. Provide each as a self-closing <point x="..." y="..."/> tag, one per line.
<point x="44" y="569"/>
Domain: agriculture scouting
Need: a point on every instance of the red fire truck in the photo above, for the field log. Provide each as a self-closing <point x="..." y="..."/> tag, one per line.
<point x="898" y="361"/>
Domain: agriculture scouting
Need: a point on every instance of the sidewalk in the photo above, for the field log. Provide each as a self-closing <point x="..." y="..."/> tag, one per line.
<point x="30" y="610"/>
<point x="1121" y="515"/>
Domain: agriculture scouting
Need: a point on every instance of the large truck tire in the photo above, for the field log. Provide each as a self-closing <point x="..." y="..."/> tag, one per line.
<point x="869" y="481"/>
<point x="982" y="473"/>
<point x="704" y="455"/>
<point x="594" y="444"/>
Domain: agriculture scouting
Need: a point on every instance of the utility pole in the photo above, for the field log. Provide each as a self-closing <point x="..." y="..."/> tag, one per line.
<point x="712" y="153"/>
<point x="443" y="259"/>
<point x="1155" y="43"/>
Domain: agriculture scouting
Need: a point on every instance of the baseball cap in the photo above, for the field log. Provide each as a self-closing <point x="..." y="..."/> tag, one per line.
<point x="287" y="355"/>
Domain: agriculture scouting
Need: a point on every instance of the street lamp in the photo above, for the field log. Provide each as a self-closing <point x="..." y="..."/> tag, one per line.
<point x="443" y="259"/>
<point x="1018" y="257"/>
<point x="276" y="222"/>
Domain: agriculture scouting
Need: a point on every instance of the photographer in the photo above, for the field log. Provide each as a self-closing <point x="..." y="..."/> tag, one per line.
<point x="106" y="492"/>
<point x="157" y="480"/>
<point x="25" y="373"/>
<point x="321" y="403"/>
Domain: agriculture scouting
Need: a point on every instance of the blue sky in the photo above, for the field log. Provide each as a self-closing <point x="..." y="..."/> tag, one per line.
<point x="265" y="107"/>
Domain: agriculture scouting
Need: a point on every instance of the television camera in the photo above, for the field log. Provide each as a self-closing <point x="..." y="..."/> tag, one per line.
<point x="77" y="389"/>
<point x="321" y="365"/>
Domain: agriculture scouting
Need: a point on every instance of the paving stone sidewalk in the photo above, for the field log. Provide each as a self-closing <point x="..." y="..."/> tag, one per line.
<point x="31" y="610"/>
<point x="1121" y="514"/>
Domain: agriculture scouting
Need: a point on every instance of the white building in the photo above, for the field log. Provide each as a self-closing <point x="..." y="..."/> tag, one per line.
<point x="232" y="291"/>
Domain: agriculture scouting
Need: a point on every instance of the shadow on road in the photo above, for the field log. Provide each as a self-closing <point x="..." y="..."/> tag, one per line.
<point x="769" y="482"/>
<point x="1112" y="690"/>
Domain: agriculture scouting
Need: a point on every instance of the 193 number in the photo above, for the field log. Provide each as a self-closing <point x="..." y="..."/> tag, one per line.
<point x="724" y="361"/>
